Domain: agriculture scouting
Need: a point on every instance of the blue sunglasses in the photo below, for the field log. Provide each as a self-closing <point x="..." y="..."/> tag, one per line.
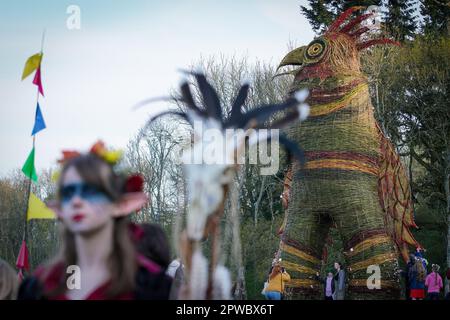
<point x="85" y="191"/>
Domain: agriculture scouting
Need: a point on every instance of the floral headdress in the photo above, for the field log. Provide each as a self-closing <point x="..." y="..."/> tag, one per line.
<point x="133" y="183"/>
<point x="99" y="149"/>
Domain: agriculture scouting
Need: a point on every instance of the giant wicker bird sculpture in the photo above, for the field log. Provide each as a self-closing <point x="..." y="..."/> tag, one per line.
<point x="353" y="178"/>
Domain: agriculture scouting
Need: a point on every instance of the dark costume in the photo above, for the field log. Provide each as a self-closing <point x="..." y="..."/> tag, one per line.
<point x="151" y="284"/>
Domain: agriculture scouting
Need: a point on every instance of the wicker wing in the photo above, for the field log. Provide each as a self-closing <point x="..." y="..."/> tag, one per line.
<point x="395" y="197"/>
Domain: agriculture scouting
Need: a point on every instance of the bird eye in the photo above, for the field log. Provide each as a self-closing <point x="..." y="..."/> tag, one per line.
<point x="315" y="50"/>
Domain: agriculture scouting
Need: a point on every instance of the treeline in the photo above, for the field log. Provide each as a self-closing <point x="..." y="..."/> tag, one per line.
<point x="409" y="88"/>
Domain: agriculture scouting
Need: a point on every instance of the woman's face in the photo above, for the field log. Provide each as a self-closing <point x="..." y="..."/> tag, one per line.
<point x="83" y="207"/>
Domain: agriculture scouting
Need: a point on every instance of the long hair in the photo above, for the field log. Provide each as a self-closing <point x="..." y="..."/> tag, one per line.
<point x="122" y="263"/>
<point x="8" y="282"/>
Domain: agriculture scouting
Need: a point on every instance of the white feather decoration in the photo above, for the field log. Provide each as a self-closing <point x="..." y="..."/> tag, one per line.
<point x="222" y="283"/>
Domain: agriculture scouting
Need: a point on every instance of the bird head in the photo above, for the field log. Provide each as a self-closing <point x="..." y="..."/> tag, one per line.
<point x="335" y="52"/>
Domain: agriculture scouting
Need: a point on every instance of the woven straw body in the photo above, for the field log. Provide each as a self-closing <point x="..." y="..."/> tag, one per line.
<point x="338" y="187"/>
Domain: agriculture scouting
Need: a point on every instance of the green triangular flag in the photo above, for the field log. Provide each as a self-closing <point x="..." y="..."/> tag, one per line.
<point x="28" y="168"/>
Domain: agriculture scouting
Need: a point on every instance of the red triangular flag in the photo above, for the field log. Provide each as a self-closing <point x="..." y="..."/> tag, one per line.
<point x="37" y="80"/>
<point x="22" y="259"/>
<point x="20" y="275"/>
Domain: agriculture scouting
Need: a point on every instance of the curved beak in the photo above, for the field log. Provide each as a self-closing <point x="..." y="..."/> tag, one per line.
<point x="293" y="58"/>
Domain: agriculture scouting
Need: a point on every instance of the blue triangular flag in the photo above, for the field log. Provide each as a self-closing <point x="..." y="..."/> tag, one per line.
<point x="39" y="123"/>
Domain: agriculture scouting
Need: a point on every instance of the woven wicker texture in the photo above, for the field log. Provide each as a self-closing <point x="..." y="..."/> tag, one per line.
<point x="353" y="178"/>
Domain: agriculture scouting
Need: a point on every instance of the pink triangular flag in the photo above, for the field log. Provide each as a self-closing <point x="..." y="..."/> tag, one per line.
<point x="22" y="259"/>
<point x="37" y="80"/>
<point x="20" y="275"/>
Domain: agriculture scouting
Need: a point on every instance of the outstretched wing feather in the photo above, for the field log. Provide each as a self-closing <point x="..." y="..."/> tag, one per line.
<point x="395" y="197"/>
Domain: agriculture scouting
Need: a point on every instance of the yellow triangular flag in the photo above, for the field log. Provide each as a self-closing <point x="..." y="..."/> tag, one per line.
<point x="38" y="210"/>
<point x="32" y="64"/>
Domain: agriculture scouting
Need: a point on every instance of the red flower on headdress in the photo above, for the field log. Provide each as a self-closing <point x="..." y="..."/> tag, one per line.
<point x="134" y="183"/>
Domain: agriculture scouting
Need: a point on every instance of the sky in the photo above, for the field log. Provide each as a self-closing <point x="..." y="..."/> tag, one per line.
<point x="123" y="52"/>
